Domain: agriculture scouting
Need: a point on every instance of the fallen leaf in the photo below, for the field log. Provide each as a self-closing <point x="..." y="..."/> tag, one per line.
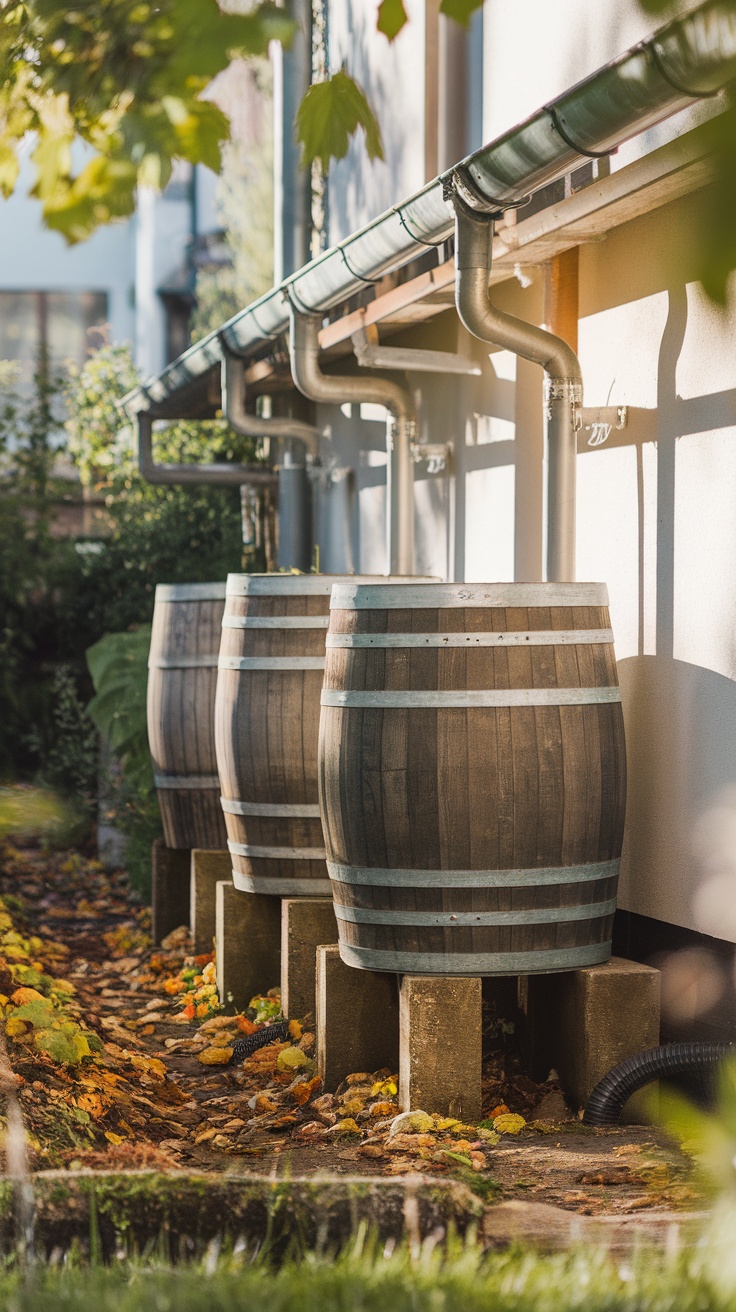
<point x="509" y="1123"/>
<point x="215" y="1056"/>
<point x="291" y="1059"/>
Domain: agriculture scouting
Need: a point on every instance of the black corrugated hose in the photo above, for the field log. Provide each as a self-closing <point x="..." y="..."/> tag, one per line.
<point x="606" y="1102"/>
<point x="245" y="1047"/>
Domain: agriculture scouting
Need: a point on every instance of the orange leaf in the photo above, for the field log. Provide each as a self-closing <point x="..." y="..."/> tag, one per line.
<point x="247" y="1026"/>
<point x="24" y="995"/>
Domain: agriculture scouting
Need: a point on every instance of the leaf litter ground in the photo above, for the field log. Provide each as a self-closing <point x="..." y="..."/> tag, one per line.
<point x="121" y="1059"/>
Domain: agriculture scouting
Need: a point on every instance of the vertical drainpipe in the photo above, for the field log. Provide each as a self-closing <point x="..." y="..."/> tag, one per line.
<point x="292" y="250"/>
<point x="356" y="388"/>
<point x="564" y="383"/>
<point x="294" y="488"/>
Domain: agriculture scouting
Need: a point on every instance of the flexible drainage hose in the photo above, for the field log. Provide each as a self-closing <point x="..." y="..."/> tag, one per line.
<point x="245" y="1047"/>
<point x="606" y="1102"/>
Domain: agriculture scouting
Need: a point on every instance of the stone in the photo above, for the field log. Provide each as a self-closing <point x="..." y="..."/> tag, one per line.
<point x="357" y="1019"/>
<point x="440" y="1045"/>
<point x="206" y="870"/>
<point x="581" y="1023"/>
<point x="248" y="944"/>
<point x="553" y="1107"/>
<point x="306" y="922"/>
<point x="169" y="889"/>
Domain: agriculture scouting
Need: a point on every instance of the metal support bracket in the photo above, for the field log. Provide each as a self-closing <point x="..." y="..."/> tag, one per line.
<point x="371" y="355"/>
<point x="438" y="455"/>
<point x="600" y="421"/>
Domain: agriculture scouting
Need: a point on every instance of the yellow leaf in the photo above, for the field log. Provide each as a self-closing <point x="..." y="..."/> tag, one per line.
<point x="114" y="1138"/>
<point x="14" y="1027"/>
<point x="148" y="1065"/>
<point x="291" y="1059"/>
<point x="215" y="1056"/>
<point x="295" y="1030"/>
<point x="510" y="1123"/>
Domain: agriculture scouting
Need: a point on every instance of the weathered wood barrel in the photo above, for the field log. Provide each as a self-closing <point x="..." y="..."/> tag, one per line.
<point x="472" y="776"/>
<point x="271" y="665"/>
<point x="182" y="678"/>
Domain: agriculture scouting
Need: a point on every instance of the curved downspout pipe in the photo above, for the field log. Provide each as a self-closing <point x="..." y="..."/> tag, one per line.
<point x="564" y="382"/>
<point x="233" y="405"/>
<point x="223" y="474"/>
<point x="338" y="389"/>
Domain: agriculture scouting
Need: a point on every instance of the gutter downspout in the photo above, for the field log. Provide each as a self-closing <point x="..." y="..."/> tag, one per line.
<point x="564" y="381"/>
<point x="223" y="474"/>
<point x="294" y="487"/>
<point x="233" y="405"/>
<point x="338" y="389"/>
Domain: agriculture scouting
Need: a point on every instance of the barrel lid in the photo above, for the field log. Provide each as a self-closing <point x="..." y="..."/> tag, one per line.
<point x="297" y="585"/>
<point x="190" y="592"/>
<point x="388" y="595"/>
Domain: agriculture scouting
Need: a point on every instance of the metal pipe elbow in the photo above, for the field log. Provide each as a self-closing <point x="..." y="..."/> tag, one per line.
<point x="169" y="475"/>
<point x="473" y="262"/>
<point x="337" y="389"/>
<point x="233" y="391"/>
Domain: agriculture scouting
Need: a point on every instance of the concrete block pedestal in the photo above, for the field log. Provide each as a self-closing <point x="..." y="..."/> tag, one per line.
<point x="169" y="889"/>
<point x="583" y="1022"/>
<point x="206" y="870"/>
<point x="357" y="1019"/>
<point x="306" y="922"/>
<point x="440" y="1052"/>
<point x="248" y="944"/>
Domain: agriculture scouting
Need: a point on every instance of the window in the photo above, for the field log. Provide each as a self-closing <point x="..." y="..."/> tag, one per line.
<point x="60" y="323"/>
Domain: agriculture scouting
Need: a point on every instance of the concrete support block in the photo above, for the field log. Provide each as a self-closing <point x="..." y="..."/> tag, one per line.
<point x="306" y="922"/>
<point x="248" y="944"/>
<point x="440" y="1036"/>
<point x="357" y="1019"/>
<point x="207" y="868"/>
<point x="169" y="889"/>
<point x="583" y="1022"/>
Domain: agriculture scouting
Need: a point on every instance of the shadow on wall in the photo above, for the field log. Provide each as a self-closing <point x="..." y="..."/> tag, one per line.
<point x="679" y="857"/>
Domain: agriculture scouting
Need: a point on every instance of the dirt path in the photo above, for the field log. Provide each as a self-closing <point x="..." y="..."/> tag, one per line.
<point x="111" y="1042"/>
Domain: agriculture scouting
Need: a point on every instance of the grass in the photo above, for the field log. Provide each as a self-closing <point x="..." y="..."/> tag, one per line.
<point x="363" y="1279"/>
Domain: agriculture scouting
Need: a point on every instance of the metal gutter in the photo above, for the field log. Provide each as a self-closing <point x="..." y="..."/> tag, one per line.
<point x="691" y="57"/>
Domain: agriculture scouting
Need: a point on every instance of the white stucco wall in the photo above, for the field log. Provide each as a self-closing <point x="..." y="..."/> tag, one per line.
<point x="392" y="75"/>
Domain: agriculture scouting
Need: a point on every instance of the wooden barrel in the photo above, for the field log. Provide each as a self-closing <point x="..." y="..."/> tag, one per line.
<point x="272" y="659"/>
<point x="472" y="776"/>
<point x="181" y="702"/>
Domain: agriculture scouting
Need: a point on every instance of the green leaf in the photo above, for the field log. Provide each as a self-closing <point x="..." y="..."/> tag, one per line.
<point x="329" y="115"/>
<point x="67" y="1045"/>
<point x="391" y="18"/>
<point x="40" y="1014"/>
<point x="461" y="10"/>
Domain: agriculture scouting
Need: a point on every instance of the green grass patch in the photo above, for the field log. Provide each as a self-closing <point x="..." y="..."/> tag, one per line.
<point x="365" y="1279"/>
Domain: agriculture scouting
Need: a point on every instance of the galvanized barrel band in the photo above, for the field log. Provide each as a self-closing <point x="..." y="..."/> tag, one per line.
<point x="511" y="638"/>
<point x="190" y="592"/>
<point x="275" y="621"/>
<point x="199" y="781"/>
<point x="277" y="664"/>
<point x="546" y="960"/>
<point x="277" y="810"/>
<point x="457" y="699"/>
<point x="531" y="878"/>
<point x="440" y="596"/>
<point x="184" y="663"/>
<point x="296" y="585"/>
<point x="281" y="887"/>
<point x="463" y="919"/>
<point x="277" y="853"/>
